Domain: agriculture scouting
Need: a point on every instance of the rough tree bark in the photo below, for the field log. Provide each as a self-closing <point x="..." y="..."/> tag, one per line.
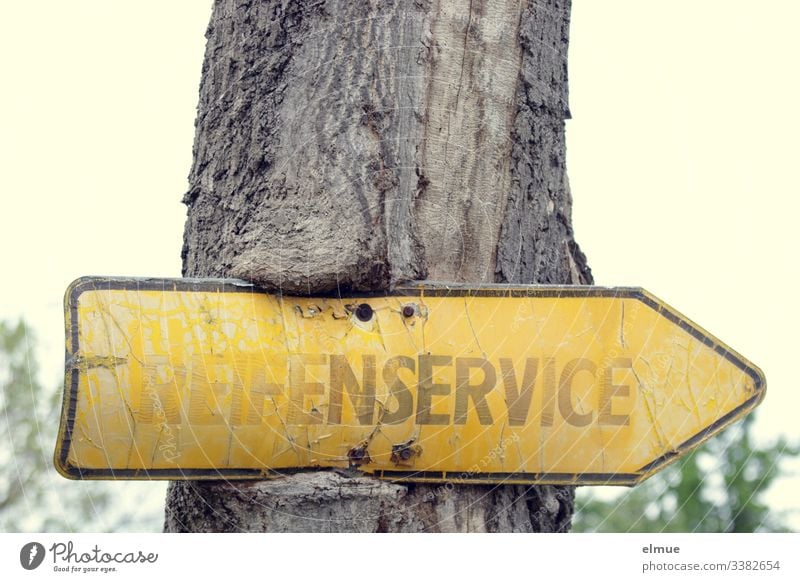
<point x="346" y="144"/>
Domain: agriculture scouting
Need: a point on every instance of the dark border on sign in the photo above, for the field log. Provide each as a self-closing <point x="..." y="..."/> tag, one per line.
<point x="421" y="288"/>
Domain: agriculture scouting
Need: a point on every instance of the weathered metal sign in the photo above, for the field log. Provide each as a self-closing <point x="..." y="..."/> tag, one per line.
<point x="209" y="379"/>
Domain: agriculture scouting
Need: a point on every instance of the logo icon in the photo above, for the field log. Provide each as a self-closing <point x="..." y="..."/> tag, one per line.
<point x="31" y="555"/>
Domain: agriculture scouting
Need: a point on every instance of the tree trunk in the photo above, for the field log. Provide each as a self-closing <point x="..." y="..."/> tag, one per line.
<point x="349" y="144"/>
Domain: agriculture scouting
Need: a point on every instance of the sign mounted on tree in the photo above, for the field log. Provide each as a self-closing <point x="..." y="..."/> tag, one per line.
<point x="210" y="379"/>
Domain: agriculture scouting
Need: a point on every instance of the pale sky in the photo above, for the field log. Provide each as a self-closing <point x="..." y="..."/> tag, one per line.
<point x="682" y="159"/>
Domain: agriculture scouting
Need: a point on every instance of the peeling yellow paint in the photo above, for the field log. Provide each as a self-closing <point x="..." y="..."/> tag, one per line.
<point x="208" y="378"/>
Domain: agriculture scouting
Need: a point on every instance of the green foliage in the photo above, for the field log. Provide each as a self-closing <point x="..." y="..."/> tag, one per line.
<point x="33" y="496"/>
<point x="717" y="488"/>
<point x="25" y="429"/>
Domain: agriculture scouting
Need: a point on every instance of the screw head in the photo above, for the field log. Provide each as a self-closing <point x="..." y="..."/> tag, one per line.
<point x="364" y="312"/>
<point x="408" y="311"/>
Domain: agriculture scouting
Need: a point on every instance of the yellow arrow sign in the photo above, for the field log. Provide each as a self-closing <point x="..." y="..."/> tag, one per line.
<point x="210" y="379"/>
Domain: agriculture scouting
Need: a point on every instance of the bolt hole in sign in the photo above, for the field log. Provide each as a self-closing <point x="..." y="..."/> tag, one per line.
<point x="210" y="379"/>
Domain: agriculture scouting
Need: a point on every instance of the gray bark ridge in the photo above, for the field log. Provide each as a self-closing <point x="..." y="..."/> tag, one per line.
<point x="358" y="144"/>
<point x="329" y="501"/>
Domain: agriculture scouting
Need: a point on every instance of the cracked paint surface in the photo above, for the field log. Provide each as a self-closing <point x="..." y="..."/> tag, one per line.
<point x="526" y="384"/>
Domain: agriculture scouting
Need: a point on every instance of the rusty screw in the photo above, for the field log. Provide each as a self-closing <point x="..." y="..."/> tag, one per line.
<point x="404" y="452"/>
<point x="364" y="312"/>
<point x="358" y="456"/>
<point x="408" y="311"/>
